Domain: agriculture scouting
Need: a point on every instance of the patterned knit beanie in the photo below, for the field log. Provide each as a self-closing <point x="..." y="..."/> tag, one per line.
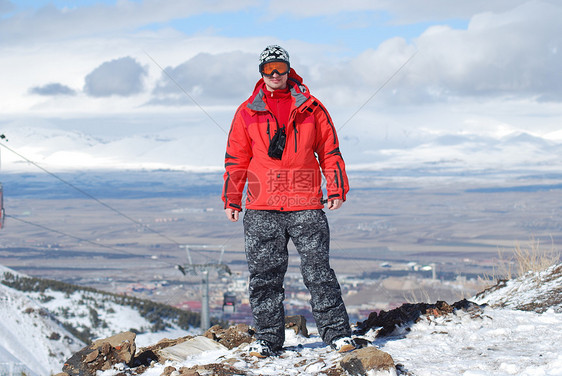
<point x="274" y="53"/>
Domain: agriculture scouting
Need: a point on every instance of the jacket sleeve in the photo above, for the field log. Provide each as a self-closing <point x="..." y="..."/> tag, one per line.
<point x="329" y="156"/>
<point x="236" y="161"/>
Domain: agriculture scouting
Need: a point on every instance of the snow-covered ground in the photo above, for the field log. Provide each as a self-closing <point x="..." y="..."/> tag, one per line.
<point x="532" y="292"/>
<point x="31" y="342"/>
<point x="482" y="340"/>
<point x="34" y="342"/>
<point x="493" y="342"/>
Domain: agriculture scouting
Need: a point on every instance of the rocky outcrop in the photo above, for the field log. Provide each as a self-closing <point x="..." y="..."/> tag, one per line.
<point x="191" y="347"/>
<point x="385" y="322"/>
<point x="102" y="355"/>
<point x="231" y="337"/>
<point x="367" y="360"/>
<point x="534" y="291"/>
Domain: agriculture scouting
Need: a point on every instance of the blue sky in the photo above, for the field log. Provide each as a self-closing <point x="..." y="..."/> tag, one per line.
<point x="481" y="69"/>
<point x="353" y="30"/>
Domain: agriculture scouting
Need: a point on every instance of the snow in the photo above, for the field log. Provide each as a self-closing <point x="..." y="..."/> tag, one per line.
<point x="533" y="291"/>
<point x="119" y="318"/>
<point x="25" y="344"/>
<point x="25" y="327"/>
<point x="490" y="342"/>
<point x="481" y="341"/>
<point x="492" y="339"/>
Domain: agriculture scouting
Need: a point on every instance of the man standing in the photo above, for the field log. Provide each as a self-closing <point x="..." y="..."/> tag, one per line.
<point x="280" y="140"/>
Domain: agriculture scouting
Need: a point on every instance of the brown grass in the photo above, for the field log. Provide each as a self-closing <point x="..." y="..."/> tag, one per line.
<point x="524" y="259"/>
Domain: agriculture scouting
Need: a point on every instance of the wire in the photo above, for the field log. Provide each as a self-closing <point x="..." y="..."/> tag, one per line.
<point x="75" y="237"/>
<point x="379" y="89"/>
<point x="65" y="234"/>
<point x="185" y="92"/>
<point x="122" y="251"/>
<point x="97" y="200"/>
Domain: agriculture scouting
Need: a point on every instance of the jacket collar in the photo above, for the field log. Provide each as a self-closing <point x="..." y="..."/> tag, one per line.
<point x="298" y="90"/>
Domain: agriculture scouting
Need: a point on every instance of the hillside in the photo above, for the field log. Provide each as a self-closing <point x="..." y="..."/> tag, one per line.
<point x="537" y="292"/>
<point x="501" y="337"/>
<point x="44" y="321"/>
<point x="31" y="340"/>
<point x="422" y="339"/>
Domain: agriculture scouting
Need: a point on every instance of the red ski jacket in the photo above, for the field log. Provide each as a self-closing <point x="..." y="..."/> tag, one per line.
<point x="293" y="182"/>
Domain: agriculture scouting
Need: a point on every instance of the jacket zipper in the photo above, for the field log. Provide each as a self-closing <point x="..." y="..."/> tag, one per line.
<point x="268" y="134"/>
<point x="296" y="132"/>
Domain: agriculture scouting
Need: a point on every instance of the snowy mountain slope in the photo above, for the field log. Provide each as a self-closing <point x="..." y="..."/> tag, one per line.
<point x="200" y="147"/>
<point x="31" y="341"/>
<point x="33" y="334"/>
<point x="537" y="292"/>
<point x="473" y="341"/>
<point x="94" y="314"/>
<point x="476" y="341"/>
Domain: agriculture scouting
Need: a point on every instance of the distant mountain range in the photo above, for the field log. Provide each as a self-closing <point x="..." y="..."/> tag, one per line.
<point x="201" y="148"/>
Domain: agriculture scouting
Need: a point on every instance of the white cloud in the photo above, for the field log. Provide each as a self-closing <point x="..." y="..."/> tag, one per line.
<point x="511" y="55"/>
<point x="507" y="54"/>
<point x="49" y="22"/>
<point x="123" y="76"/>
<point x="6" y="6"/>
<point x="405" y="11"/>
<point x="491" y="79"/>
<point x="211" y="78"/>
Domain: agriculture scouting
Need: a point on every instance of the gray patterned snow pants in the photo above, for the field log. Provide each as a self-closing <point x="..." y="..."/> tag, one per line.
<point x="267" y="233"/>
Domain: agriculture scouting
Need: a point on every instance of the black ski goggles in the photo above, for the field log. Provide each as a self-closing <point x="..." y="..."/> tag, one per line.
<point x="280" y="67"/>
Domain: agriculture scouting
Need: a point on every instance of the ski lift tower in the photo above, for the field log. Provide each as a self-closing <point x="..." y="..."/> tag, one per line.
<point x="204" y="270"/>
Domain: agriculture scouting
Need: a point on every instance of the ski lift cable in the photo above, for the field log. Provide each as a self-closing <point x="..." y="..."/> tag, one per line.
<point x="76" y="237"/>
<point x="93" y="197"/>
<point x="219" y="267"/>
<point x="185" y="92"/>
<point x="379" y="89"/>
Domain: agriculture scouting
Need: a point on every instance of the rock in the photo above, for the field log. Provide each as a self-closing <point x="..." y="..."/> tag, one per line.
<point x="192" y="346"/>
<point x="168" y="371"/>
<point x="214" y="369"/>
<point x="231" y="337"/>
<point x="122" y="343"/>
<point x="146" y="355"/>
<point x="101" y="355"/>
<point x="387" y="321"/>
<point x="91" y="356"/>
<point x="184" y="371"/>
<point x="361" y="361"/>
<point x="297" y="323"/>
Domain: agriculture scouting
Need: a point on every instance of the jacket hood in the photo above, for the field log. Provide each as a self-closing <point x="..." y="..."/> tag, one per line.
<point x="298" y="90"/>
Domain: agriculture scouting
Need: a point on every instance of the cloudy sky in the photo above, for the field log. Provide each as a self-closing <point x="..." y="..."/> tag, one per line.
<point x="157" y="82"/>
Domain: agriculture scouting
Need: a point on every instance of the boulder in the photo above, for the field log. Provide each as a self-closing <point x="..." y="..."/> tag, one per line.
<point x="361" y="361"/>
<point x="193" y="346"/>
<point x="231" y="337"/>
<point x="101" y="355"/>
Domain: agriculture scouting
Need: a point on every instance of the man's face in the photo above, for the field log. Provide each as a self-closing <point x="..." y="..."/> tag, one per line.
<point x="276" y="81"/>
